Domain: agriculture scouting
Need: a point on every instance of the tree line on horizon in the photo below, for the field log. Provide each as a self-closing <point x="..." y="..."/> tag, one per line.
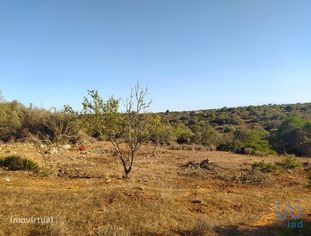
<point x="253" y="130"/>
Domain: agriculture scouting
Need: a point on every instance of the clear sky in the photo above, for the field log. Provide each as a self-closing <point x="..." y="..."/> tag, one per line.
<point x="192" y="54"/>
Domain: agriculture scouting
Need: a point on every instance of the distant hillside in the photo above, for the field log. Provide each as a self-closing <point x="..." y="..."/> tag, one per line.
<point x="268" y="117"/>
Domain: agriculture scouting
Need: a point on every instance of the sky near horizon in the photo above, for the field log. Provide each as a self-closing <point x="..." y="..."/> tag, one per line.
<point x="190" y="54"/>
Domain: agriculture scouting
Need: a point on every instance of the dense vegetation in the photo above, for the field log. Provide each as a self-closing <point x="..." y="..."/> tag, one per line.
<point x="258" y="130"/>
<point x="255" y="130"/>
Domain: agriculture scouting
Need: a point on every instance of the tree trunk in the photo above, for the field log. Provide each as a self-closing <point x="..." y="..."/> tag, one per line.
<point x="127" y="166"/>
<point x="127" y="172"/>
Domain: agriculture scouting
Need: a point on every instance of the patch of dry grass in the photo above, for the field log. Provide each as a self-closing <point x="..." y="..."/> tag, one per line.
<point x="87" y="196"/>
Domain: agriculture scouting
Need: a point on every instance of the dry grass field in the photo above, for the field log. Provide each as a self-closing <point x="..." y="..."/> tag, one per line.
<point x="85" y="194"/>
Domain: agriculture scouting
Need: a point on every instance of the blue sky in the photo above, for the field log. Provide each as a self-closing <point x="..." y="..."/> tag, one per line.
<point x="191" y="54"/>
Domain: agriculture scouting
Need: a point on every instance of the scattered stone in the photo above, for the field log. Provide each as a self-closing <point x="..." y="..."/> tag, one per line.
<point x="66" y="147"/>
<point x="53" y="150"/>
<point x="7" y="179"/>
<point x="42" y="146"/>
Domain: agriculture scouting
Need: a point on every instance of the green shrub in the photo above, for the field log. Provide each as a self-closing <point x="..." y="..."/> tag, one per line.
<point x="293" y="137"/>
<point x="183" y="134"/>
<point x="11" y="116"/>
<point x="264" y="167"/>
<point x="58" y="127"/>
<point x="288" y="163"/>
<point x="251" y="142"/>
<point x="15" y="163"/>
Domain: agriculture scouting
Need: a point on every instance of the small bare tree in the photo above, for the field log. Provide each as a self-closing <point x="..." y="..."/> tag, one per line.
<point x="128" y="130"/>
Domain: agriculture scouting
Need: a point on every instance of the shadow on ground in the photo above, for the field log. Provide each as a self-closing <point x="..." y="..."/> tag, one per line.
<point x="278" y="230"/>
<point x="269" y="230"/>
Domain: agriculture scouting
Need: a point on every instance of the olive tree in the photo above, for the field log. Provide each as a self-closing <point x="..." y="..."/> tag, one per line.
<point x="161" y="133"/>
<point x="128" y="130"/>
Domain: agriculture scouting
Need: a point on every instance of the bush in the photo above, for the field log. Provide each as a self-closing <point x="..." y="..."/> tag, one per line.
<point x="11" y="115"/>
<point x="264" y="167"/>
<point x="183" y="134"/>
<point x="293" y="137"/>
<point x="15" y="163"/>
<point x="58" y="127"/>
<point x="251" y="142"/>
<point x="288" y="163"/>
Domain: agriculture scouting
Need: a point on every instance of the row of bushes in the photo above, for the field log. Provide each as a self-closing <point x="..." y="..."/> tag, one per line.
<point x="20" y="122"/>
<point x="287" y="163"/>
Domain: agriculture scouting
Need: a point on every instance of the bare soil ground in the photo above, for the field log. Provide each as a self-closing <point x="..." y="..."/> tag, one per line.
<point x="86" y="195"/>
